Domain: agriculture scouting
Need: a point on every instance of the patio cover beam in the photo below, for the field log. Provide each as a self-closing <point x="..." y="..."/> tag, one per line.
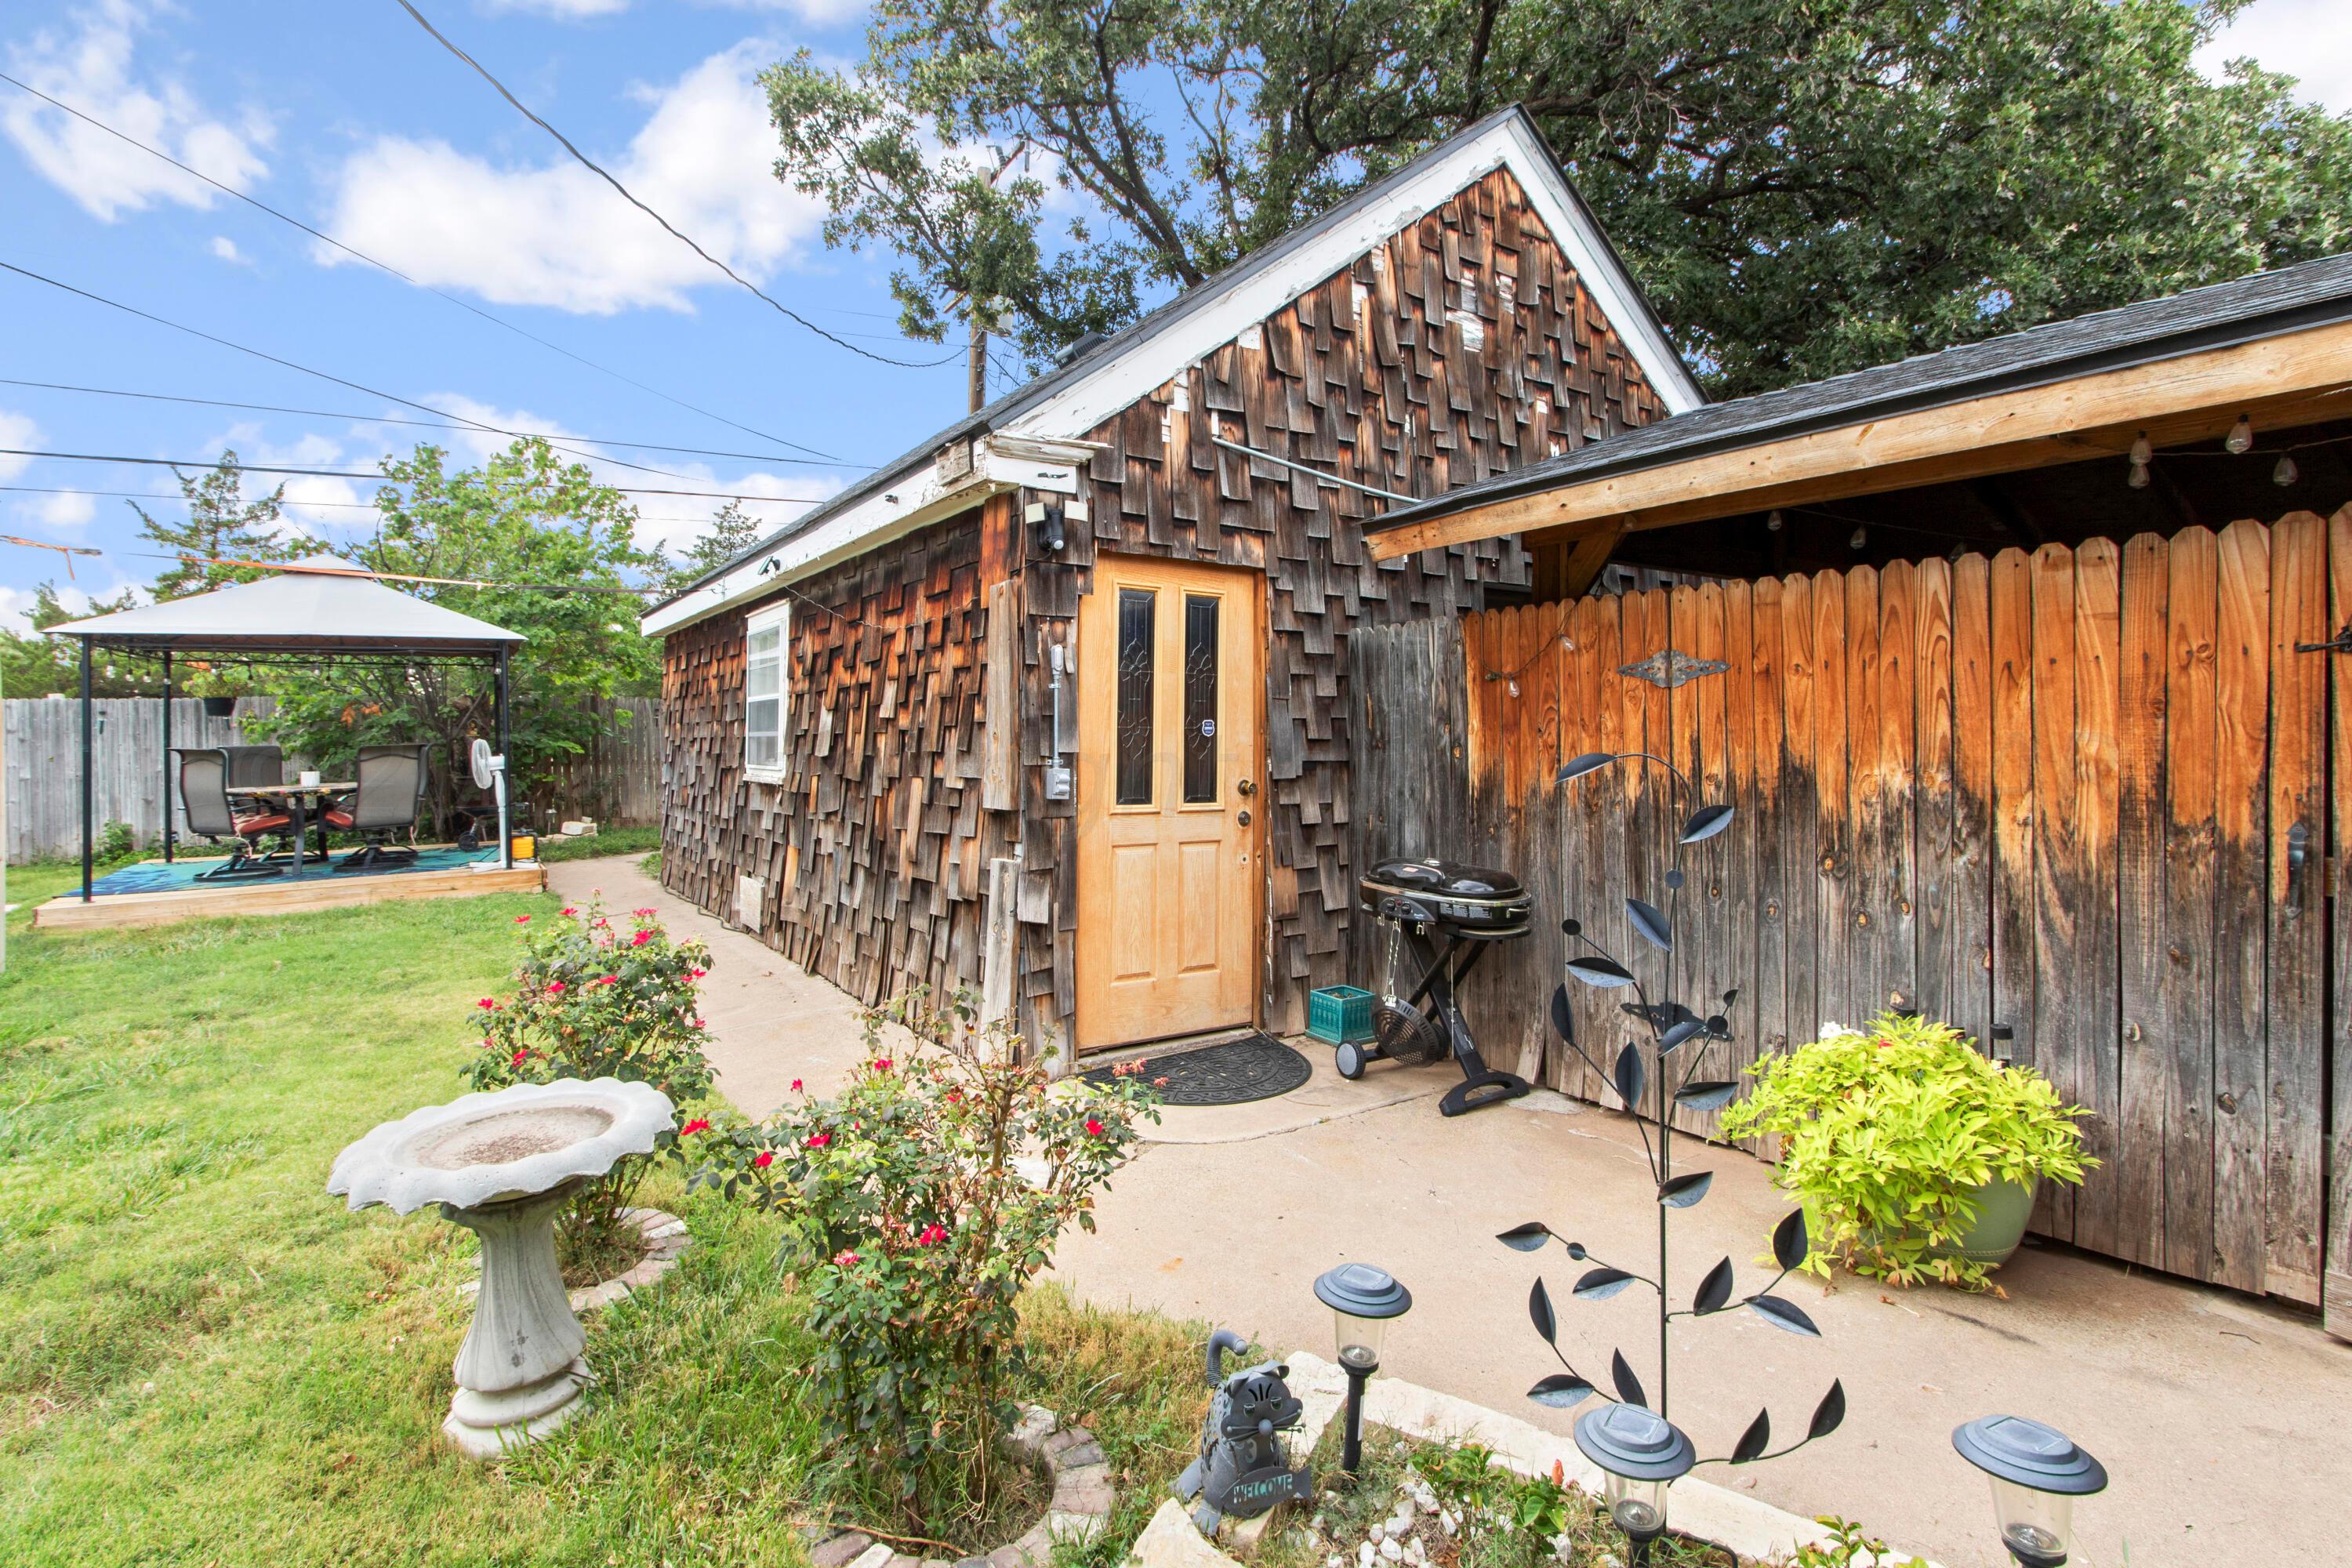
<point x="2295" y="378"/>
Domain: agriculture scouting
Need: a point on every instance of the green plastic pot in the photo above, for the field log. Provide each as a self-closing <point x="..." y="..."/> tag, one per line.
<point x="2002" y="1210"/>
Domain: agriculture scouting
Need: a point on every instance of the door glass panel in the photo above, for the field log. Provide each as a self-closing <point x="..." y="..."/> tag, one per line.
<point x="1200" y="699"/>
<point x="1136" y="614"/>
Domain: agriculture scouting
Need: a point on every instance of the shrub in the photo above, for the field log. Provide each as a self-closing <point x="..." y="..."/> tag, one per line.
<point x="116" y="841"/>
<point x="1887" y="1132"/>
<point x="918" y="1204"/>
<point x="593" y="1001"/>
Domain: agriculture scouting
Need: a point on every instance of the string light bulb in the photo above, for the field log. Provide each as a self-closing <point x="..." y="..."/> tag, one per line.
<point x="1773" y="521"/>
<point x="2241" y="439"/>
<point x="2140" y="450"/>
<point x="2137" y="478"/>
<point x="1858" y="538"/>
<point x="1512" y="687"/>
<point x="2286" y="473"/>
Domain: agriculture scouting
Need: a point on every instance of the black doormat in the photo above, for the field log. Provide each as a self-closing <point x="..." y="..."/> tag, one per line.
<point x="1255" y="1067"/>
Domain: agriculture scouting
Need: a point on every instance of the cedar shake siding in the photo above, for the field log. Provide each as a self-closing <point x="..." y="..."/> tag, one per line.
<point x="1460" y="347"/>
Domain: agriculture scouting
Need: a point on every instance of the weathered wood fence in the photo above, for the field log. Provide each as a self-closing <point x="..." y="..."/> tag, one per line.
<point x="2094" y="798"/>
<point x="617" y="781"/>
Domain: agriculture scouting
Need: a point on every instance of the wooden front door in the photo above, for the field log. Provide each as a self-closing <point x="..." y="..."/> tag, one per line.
<point x="1169" y="891"/>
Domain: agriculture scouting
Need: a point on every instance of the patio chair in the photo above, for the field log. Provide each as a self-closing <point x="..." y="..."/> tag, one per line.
<point x="254" y="765"/>
<point x="205" y="801"/>
<point x="391" y="788"/>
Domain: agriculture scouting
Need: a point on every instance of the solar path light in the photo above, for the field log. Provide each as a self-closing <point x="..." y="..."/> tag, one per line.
<point x="1641" y="1453"/>
<point x="2037" y="1473"/>
<point x="1363" y="1300"/>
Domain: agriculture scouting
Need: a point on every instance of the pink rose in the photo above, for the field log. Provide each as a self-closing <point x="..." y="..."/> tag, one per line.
<point x="845" y="1259"/>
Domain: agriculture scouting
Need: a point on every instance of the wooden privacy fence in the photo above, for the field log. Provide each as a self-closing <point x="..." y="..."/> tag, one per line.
<point x="2093" y="796"/>
<point x="617" y="780"/>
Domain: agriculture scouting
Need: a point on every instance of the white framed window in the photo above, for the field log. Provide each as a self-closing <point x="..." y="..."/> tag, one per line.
<point x="767" y="639"/>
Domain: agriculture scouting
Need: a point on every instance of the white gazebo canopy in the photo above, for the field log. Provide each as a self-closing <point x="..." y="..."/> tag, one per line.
<point x="323" y="609"/>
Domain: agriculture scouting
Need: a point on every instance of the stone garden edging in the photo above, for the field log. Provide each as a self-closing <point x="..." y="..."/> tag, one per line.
<point x="1746" y="1526"/>
<point x="1079" y="1510"/>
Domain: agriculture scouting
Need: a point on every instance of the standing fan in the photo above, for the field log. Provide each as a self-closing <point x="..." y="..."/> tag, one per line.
<point x="490" y="774"/>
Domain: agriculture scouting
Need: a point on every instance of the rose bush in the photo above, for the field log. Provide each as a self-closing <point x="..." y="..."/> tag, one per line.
<point x="918" y="1203"/>
<point x="592" y="1000"/>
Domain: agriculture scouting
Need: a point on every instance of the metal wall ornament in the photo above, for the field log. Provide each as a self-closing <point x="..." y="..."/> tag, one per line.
<point x="1652" y="1075"/>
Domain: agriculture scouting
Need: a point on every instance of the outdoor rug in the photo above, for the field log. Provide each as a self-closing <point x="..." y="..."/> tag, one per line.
<point x="156" y="877"/>
<point x="1255" y="1067"/>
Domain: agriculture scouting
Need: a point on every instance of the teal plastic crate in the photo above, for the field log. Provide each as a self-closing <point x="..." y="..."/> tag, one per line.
<point x="1341" y="1014"/>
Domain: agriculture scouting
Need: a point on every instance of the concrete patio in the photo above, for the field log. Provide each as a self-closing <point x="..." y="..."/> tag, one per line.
<point x="2220" y="1417"/>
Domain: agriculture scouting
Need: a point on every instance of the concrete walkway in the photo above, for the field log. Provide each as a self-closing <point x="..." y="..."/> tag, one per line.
<point x="2223" y="1420"/>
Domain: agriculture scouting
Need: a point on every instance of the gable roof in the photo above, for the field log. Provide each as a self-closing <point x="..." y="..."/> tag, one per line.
<point x="2219" y="315"/>
<point x="1074" y="397"/>
<point x="323" y="610"/>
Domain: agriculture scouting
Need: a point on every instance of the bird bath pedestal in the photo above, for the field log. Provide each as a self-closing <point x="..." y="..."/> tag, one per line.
<point x="502" y="1165"/>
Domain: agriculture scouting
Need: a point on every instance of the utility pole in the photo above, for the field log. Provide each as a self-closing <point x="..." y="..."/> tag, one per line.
<point x="976" y="373"/>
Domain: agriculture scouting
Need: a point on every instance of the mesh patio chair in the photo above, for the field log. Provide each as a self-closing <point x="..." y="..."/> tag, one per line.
<point x="211" y="816"/>
<point x="392" y="781"/>
<point x="254" y="765"/>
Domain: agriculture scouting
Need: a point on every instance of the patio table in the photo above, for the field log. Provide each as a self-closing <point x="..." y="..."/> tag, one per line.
<point x="299" y="798"/>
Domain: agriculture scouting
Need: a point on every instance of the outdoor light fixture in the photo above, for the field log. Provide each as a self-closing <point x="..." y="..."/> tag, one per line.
<point x="1860" y="537"/>
<point x="2286" y="473"/>
<point x="1045" y="519"/>
<point x="1362" y="1300"/>
<point x="2037" y="1473"/>
<point x="2241" y="439"/>
<point x="1641" y="1453"/>
<point x="1772" y="522"/>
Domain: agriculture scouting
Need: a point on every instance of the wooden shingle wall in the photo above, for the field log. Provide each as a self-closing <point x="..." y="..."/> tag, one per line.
<point x="1462" y="346"/>
<point x="874" y="849"/>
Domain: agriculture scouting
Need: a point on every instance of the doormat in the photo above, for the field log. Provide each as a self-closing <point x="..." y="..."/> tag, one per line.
<point x="1255" y="1067"/>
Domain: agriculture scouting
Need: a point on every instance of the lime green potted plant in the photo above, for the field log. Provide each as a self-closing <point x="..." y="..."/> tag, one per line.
<point x="1915" y="1157"/>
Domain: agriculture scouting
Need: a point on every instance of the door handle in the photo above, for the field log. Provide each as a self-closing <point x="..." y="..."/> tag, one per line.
<point x="1244" y="787"/>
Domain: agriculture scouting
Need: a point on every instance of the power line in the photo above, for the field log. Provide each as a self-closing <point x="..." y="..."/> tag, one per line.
<point x="600" y="172"/>
<point x="396" y="272"/>
<point x="177" y="463"/>
<point x="301" y="505"/>
<point x="322" y="376"/>
<point x="420" y="424"/>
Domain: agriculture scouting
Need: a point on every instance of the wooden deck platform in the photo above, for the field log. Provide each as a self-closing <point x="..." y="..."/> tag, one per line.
<point x="283" y="896"/>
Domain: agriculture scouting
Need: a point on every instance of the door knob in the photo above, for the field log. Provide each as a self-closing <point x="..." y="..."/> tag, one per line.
<point x="1244" y="818"/>
<point x="1244" y="787"/>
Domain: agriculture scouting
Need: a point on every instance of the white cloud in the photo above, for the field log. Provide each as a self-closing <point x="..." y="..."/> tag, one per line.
<point x="72" y="509"/>
<point x="226" y="249"/>
<point x="76" y="596"/>
<point x="2310" y="40"/>
<point x="16" y="430"/>
<point x="565" y="10"/>
<point x="815" y="13"/>
<point x="554" y="234"/>
<point x="91" y="68"/>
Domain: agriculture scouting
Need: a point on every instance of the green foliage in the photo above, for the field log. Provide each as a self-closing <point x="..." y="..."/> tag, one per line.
<point x="732" y="532"/>
<point x="918" y="1204"/>
<point x="1849" y="1547"/>
<point x="1491" y="1500"/>
<point x="1803" y="186"/>
<point x="555" y="849"/>
<point x="115" y="842"/>
<point x="591" y="1001"/>
<point x="522" y="517"/>
<point x="221" y="528"/>
<point x="37" y="666"/>
<point x="1887" y="1131"/>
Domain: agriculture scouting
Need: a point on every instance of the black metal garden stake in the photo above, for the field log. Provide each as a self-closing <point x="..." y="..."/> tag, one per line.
<point x="1637" y="1445"/>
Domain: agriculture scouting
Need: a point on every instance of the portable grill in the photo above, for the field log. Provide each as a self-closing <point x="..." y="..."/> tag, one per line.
<point x="1448" y="916"/>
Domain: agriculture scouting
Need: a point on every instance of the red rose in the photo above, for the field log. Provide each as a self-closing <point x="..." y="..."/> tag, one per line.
<point x="697" y="974"/>
<point x="520" y="1052"/>
<point x="555" y="988"/>
<point x="487" y="1004"/>
<point x="569" y="909"/>
<point x="765" y="1158"/>
<point x="932" y="1234"/>
<point x="1094" y="1128"/>
<point x="796" y="1086"/>
<point x="819" y="1140"/>
<point x="522" y="920"/>
<point x="698" y="1124"/>
<point x="882" y="1064"/>
<point x="844" y="1259"/>
<point x="641" y="938"/>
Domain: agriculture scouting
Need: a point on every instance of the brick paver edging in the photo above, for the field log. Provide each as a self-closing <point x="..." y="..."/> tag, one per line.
<point x="1079" y="1510"/>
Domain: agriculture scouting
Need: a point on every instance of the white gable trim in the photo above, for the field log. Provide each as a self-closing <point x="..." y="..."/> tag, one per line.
<point x="1509" y="144"/>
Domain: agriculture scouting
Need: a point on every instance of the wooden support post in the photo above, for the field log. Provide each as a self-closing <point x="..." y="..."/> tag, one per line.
<point x="1000" y="940"/>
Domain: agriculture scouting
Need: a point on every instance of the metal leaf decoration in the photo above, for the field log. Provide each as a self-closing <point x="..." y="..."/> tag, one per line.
<point x="1631" y="1076"/>
<point x="1706" y="823"/>
<point x="1563" y="1021"/>
<point x="1629" y="1387"/>
<point x="1540" y="1313"/>
<point x="1561" y="1391"/>
<point x="1829" y="1414"/>
<point x="1591" y="762"/>
<point x="1789" y="1243"/>
<point x="1528" y="1238"/>
<point x="1677" y="1035"/>
<point x="1606" y="974"/>
<point x="1783" y="1314"/>
<point x="1718" y="1027"/>
<point x="1731" y="997"/>
<point x="1755" y="1440"/>
<point x="1714" y="1290"/>
<point x="1682" y="1192"/>
<point x="1652" y="923"/>
<point x="1600" y="1284"/>
<point x="1707" y="1095"/>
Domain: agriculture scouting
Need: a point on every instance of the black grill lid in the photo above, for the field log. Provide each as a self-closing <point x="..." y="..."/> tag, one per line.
<point x="1445" y="879"/>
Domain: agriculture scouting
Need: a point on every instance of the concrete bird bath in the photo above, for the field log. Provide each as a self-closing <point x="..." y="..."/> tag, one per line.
<point x="502" y="1164"/>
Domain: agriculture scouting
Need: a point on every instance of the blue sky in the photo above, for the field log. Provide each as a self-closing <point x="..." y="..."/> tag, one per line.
<point x="350" y="118"/>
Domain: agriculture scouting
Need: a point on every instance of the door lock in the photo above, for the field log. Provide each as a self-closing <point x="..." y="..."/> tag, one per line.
<point x="1244" y="817"/>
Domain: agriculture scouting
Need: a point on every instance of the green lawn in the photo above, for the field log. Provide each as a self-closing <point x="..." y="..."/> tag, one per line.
<point x="611" y="841"/>
<point x="203" y="1359"/>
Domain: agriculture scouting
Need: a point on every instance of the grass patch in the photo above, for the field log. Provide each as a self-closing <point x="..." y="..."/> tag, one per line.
<point x="203" y="1359"/>
<point x="610" y="841"/>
